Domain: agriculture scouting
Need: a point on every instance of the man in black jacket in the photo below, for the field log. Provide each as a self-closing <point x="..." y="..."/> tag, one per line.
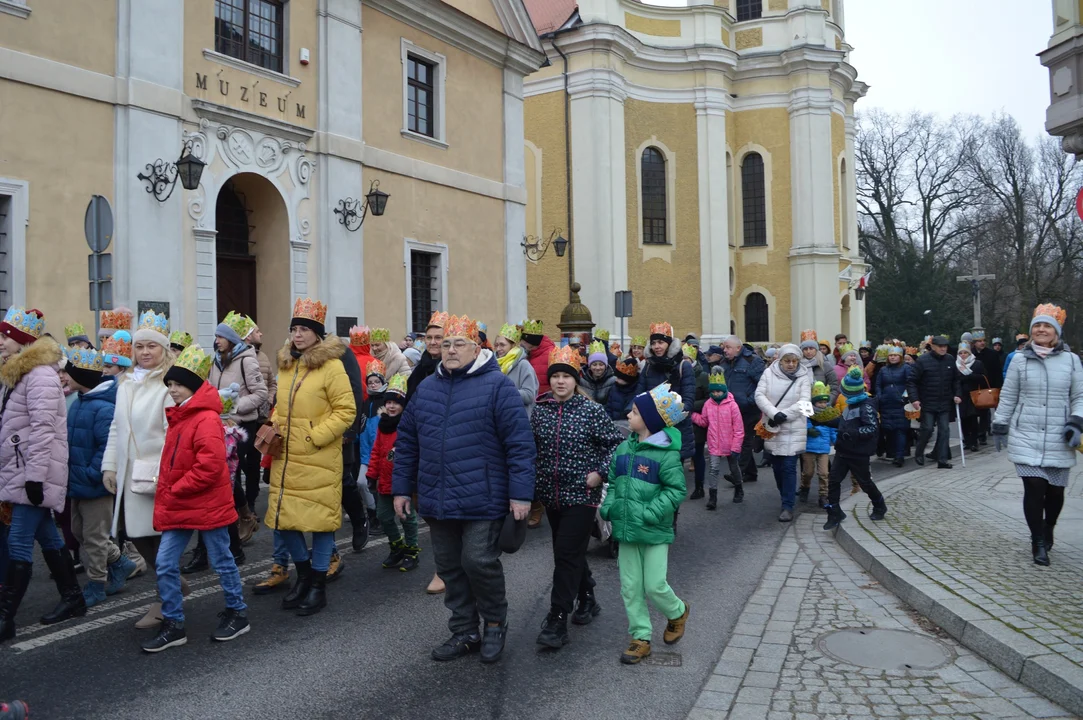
<point x="933" y="389"/>
<point x="743" y="370"/>
<point x="434" y="335"/>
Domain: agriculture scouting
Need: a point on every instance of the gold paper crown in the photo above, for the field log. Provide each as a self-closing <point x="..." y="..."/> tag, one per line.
<point x="511" y="332"/>
<point x="87" y="359"/>
<point x="639" y="341"/>
<point x="74" y="330"/>
<point x="566" y="355"/>
<point x="809" y="335"/>
<point x="662" y="328"/>
<point x="602" y="335"/>
<point x="533" y="327"/>
<point x="119" y="319"/>
<point x="195" y="361"/>
<point x="911" y="350"/>
<point x="240" y="324"/>
<point x="397" y="385"/>
<point x="1053" y="311"/>
<point x="359" y="335"/>
<point x="380" y="335"/>
<point x="120" y="345"/>
<point x="181" y="338"/>
<point x="375" y="367"/>
<point x="717" y="377"/>
<point x="629" y="366"/>
<point x="596" y="347"/>
<point x="460" y="326"/>
<point x="438" y="319"/>
<point x="690" y="352"/>
<point x="669" y="404"/>
<point x="310" y="309"/>
<point x="157" y="322"/>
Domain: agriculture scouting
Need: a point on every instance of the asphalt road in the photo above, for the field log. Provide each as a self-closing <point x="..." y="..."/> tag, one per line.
<point x="367" y="654"/>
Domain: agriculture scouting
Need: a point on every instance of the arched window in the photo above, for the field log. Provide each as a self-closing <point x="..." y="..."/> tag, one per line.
<point x="653" y="201"/>
<point x="757" y="329"/>
<point x="754" y="200"/>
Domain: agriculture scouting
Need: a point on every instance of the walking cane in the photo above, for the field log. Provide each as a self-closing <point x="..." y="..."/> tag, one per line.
<point x="962" y="443"/>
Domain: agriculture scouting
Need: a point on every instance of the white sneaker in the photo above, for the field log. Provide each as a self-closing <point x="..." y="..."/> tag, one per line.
<point x="134" y="556"/>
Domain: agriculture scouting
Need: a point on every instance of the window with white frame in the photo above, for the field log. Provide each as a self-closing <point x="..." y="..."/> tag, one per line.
<point x="18" y="8"/>
<point x="426" y="283"/>
<point x="424" y="75"/>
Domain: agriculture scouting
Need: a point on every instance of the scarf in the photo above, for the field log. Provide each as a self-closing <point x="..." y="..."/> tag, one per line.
<point x="139" y="372"/>
<point x="508" y="361"/>
<point x="389" y="424"/>
<point x="855" y="399"/>
<point x="965" y="366"/>
<point x="664" y="364"/>
<point x="719" y="400"/>
<point x="237" y="350"/>
<point x="1041" y="350"/>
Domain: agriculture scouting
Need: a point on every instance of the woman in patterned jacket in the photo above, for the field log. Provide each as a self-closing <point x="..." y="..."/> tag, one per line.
<point x="575" y="440"/>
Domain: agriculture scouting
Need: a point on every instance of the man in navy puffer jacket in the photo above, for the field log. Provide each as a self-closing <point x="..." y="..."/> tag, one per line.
<point x="466" y="448"/>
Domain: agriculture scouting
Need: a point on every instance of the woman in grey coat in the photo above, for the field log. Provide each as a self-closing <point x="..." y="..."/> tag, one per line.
<point x="514" y="363"/>
<point x="1040" y="420"/>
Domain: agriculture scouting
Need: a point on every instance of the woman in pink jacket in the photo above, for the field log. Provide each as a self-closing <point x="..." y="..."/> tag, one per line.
<point x="33" y="464"/>
<point x="725" y="433"/>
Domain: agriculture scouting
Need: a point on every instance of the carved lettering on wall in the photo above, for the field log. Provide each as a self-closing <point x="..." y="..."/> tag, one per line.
<point x="224" y="90"/>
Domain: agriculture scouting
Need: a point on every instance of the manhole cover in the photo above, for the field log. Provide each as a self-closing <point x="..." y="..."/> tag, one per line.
<point x="665" y="659"/>
<point x="885" y="649"/>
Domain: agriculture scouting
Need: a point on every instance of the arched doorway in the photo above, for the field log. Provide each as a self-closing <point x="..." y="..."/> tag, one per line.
<point x="236" y="265"/>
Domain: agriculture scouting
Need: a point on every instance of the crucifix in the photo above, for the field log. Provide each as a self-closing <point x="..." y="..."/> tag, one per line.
<point x="975" y="282"/>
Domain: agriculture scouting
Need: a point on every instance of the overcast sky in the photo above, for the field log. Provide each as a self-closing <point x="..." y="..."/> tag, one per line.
<point x="951" y="56"/>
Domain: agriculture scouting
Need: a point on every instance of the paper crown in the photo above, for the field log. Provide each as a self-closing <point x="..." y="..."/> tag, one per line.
<point x="845" y="349"/>
<point x="86" y="359"/>
<point x="566" y="355"/>
<point x="662" y="328"/>
<point x="151" y="320"/>
<point x="380" y="335"/>
<point x="820" y="391"/>
<point x="809" y="335"/>
<point x="240" y="324"/>
<point x="639" y="341"/>
<point x="978" y="334"/>
<point x="1053" y="311"/>
<point x="602" y="335"/>
<point x="669" y="404"/>
<point x="596" y="347"/>
<point x="895" y="350"/>
<point x="866" y="344"/>
<point x="181" y="338"/>
<point x="628" y="367"/>
<point x="24" y="323"/>
<point x="359" y="335"/>
<point x="460" y="326"/>
<point x="195" y="361"/>
<point x="375" y="367"/>
<point x="397" y="385"/>
<point x="533" y="327"/>
<point x="74" y="330"/>
<point x="998" y="341"/>
<point x="482" y="327"/>
<point x="310" y="309"/>
<point x="112" y="320"/>
<point x="882" y="353"/>
<point x="690" y="351"/>
<point x="717" y="377"/>
<point x="438" y="319"/>
<point x="1021" y="336"/>
<point x="511" y="332"/>
<point x="117" y="350"/>
<point x="615" y="349"/>
<point x="911" y="350"/>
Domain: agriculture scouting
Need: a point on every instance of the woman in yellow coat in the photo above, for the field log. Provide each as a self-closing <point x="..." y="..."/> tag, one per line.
<point x="315" y="408"/>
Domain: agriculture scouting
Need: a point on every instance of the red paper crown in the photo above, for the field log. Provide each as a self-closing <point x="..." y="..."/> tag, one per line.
<point x="359" y="335"/>
<point x="808" y="335"/>
<point x="117" y="346"/>
<point x="460" y="326"/>
<point x="310" y="309"/>
<point x="438" y="319"/>
<point x="119" y="319"/>
<point x="566" y="355"/>
<point x="662" y="328"/>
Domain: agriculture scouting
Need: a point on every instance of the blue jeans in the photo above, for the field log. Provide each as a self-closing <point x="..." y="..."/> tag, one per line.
<point x="3" y="552"/>
<point x="168" y="568"/>
<point x="786" y="478"/>
<point x="30" y="523"/>
<point x="323" y="545"/>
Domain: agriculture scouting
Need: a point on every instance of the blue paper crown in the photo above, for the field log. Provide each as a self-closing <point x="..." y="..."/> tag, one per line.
<point x="86" y="359"/>
<point x="669" y="404"/>
<point x="151" y="320"/>
<point x="27" y="322"/>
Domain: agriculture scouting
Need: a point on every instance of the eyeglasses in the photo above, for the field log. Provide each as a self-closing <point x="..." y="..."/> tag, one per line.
<point x="457" y="344"/>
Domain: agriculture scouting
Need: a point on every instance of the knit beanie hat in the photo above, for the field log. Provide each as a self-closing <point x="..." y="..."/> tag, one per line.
<point x="660" y="408"/>
<point x="820" y="392"/>
<point x="853" y="382"/>
<point x="597" y="353"/>
<point x="717" y="380"/>
<point x="1049" y="313"/>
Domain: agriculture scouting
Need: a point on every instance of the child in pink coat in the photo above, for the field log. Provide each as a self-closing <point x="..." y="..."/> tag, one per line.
<point x="725" y="433"/>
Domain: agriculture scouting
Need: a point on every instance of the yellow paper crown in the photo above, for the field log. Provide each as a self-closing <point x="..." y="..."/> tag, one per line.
<point x="639" y="341"/>
<point x="74" y="330"/>
<point x="438" y="319"/>
<point x="359" y="335"/>
<point x="1054" y="311"/>
<point x="596" y="347"/>
<point x="602" y="335"/>
<point x="118" y="319"/>
<point x="566" y="355"/>
<point x="690" y="352"/>
<point x="181" y="338"/>
<point x="375" y="367"/>
<point x="717" y="376"/>
<point x="808" y="335"/>
<point x="533" y="327"/>
<point x="310" y="309"/>
<point x="380" y="335"/>
<point x="194" y="360"/>
<point x="662" y="328"/>
<point x="240" y="324"/>
<point x="397" y="385"/>
<point x="511" y="332"/>
<point x="460" y="326"/>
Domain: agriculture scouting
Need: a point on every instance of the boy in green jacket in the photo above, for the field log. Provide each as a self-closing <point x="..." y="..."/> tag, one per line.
<point x="646" y="485"/>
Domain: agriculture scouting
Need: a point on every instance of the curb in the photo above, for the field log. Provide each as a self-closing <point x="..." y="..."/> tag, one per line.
<point x="1021" y="658"/>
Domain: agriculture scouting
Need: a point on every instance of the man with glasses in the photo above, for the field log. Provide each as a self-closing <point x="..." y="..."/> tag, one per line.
<point x="466" y="449"/>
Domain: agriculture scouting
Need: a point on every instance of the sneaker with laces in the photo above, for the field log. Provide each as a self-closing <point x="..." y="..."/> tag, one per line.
<point x="232" y="625"/>
<point x="170" y="634"/>
<point x="675" y="627"/>
<point x="637" y="650"/>
<point x="410" y="558"/>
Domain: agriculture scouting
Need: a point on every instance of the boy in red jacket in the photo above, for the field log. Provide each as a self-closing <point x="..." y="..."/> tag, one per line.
<point x="404" y="554"/>
<point x="194" y="493"/>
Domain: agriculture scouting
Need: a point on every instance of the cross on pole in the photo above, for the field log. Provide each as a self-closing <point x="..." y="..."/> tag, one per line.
<point x="975" y="282"/>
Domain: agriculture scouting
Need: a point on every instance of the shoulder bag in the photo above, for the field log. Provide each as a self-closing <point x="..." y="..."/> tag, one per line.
<point x="268" y="439"/>
<point x="985" y="398"/>
<point x="144" y="480"/>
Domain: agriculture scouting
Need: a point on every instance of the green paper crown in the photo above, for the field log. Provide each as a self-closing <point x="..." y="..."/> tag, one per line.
<point x="820" y="391"/>
<point x="181" y="338"/>
<point x="379" y="335"/>
<point x="602" y="335"/>
<point x="511" y="332"/>
<point x="596" y="347"/>
<point x="240" y="324"/>
<point x="194" y="360"/>
<point x="717" y="378"/>
<point x="396" y="384"/>
<point x="533" y="327"/>
<point x="74" y="330"/>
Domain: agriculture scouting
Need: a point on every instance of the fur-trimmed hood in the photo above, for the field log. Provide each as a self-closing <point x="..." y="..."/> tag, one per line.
<point x="330" y="348"/>
<point x="43" y="351"/>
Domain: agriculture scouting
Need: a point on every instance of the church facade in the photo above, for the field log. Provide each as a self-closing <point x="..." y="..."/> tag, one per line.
<point x="701" y="157"/>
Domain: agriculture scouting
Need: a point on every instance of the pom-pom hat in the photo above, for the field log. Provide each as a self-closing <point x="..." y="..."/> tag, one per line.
<point x="117" y="350"/>
<point x="191" y="368"/>
<point x="853" y="382"/>
<point x="153" y="327"/>
<point x="564" y="359"/>
<point x="76" y="333"/>
<point x="311" y="314"/>
<point x="1052" y="314"/>
<point x="660" y="408"/>
<point x="85" y="367"/>
<point x="596" y="353"/>
<point x="23" y="326"/>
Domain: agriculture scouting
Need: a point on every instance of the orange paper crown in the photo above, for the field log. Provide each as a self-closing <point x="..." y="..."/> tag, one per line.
<point x="460" y="326"/>
<point x="119" y="319"/>
<point x="566" y="355"/>
<point x="809" y="335"/>
<point x="1053" y="311"/>
<point x="375" y="367"/>
<point x="310" y="309"/>
<point x="662" y="328"/>
<point x="359" y="335"/>
<point x="119" y="344"/>
<point x="439" y="319"/>
<point x="628" y="367"/>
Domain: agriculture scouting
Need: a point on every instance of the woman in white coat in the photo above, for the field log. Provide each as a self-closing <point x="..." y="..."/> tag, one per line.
<point x="783" y="384"/>
<point x="136" y="437"/>
<point x="1040" y="419"/>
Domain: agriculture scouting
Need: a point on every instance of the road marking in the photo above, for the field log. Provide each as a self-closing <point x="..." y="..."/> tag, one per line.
<point x="67" y="630"/>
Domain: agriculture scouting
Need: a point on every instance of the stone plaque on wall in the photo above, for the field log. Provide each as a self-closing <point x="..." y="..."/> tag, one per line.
<point x="343" y="325"/>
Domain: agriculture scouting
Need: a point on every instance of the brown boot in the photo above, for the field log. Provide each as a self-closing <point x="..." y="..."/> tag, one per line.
<point x="536" y="512"/>
<point x="675" y="628"/>
<point x="247" y="524"/>
<point x="278" y="580"/>
<point x="636" y="651"/>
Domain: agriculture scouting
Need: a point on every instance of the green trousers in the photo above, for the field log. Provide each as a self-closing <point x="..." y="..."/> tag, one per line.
<point x="385" y="510"/>
<point x="643" y="576"/>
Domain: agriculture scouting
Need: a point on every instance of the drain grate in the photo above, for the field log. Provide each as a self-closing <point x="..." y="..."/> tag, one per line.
<point x="663" y="659"/>
<point x="882" y="649"/>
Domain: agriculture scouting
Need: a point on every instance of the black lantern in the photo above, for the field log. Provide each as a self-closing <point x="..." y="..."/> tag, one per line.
<point x="859" y="294"/>
<point x="161" y="177"/>
<point x="352" y="212"/>
<point x="560" y="245"/>
<point x="189" y="169"/>
<point x="534" y="248"/>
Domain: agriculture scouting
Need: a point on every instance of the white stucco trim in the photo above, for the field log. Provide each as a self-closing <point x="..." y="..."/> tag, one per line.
<point x="439" y="88"/>
<point x="19" y="218"/>
<point x="420" y="170"/>
<point x="772" y="305"/>
<point x="738" y="196"/>
<point x="252" y="68"/>
<point x="441" y="249"/>
<point x="650" y="251"/>
<point x="844" y="242"/>
<point x="18" y="8"/>
<point x="536" y="228"/>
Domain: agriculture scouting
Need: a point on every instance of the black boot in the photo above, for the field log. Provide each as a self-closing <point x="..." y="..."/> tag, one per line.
<point x="878" y="511"/>
<point x="361" y="534"/>
<point x="1037" y="547"/>
<point x="16" y="580"/>
<point x="71" y="602"/>
<point x="712" y="500"/>
<point x="738" y="493"/>
<point x="374" y="524"/>
<point x="697" y="493"/>
<point x="554" y="632"/>
<point x="299" y="591"/>
<point x="835" y="515"/>
<point x="198" y="561"/>
<point x="1048" y="536"/>
<point x="316" y="598"/>
<point x="802" y="494"/>
<point x="586" y="609"/>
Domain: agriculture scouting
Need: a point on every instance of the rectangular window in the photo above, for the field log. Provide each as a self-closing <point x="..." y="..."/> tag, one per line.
<point x="425" y="290"/>
<point x="754" y="201"/>
<point x="250" y="30"/>
<point x="749" y="10"/>
<point x="420" y="95"/>
<point x="5" y="252"/>
<point x="653" y="170"/>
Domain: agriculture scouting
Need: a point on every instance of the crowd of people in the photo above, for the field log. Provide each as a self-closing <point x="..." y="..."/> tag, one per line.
<point x="111" y="458"/>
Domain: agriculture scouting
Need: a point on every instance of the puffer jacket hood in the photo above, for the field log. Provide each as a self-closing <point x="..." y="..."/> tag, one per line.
<point x="89" y="418"/>
<point x="778" y="393"/>
<point x="646" y="486"/>
<point x="890" y="391"/>
<point x="725" y="430"/>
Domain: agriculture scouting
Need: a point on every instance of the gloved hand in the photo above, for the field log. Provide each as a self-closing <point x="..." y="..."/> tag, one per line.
<point x="779" y="418"/>
<point x="813" y="433"/>
<point x="35" y="492"/>
<point x="1073" y="436"/>
<point x="109" y="479"/>
<point x="1000" y="442"/>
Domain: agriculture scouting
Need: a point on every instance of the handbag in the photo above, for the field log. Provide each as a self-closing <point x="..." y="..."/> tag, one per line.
<point x="268" y="439"/>
<point x="144" y="480"/>
<point x="985" y="398"/>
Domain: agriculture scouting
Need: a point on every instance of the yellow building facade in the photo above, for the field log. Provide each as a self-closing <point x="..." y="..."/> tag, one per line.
<point x="710" y="154"/>
<point x="295" y="108"/>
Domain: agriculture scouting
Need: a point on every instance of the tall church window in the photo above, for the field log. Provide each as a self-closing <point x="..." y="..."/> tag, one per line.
<point x="653" y="201"/>
<point x="754" y="201"/>
<point x="756" y="325"/>
<point x="749" y="10"/>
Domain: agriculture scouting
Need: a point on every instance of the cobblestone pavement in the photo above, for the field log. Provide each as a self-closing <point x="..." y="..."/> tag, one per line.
<point x="773" y="668"/>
